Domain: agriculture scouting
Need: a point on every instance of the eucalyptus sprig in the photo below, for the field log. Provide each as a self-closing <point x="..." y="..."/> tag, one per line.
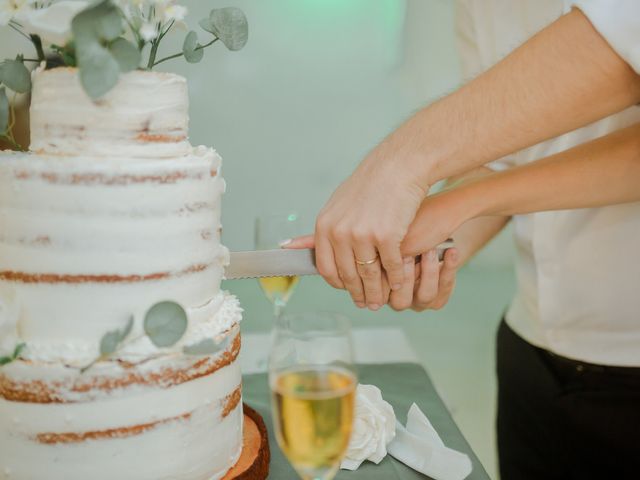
<point x="110" y="343"/>
<point x="14" y="356"/>
<point x="101" y="52"/>
<point x="165" y="324"/>
<point x="104" y="39"/>
<point x="228" y="25"/>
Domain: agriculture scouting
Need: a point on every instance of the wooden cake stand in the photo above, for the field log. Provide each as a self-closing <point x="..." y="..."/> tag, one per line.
<point x="254" y="459"/>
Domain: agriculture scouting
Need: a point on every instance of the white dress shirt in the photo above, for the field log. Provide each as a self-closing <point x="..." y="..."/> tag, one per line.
<point x="578" y="271"/>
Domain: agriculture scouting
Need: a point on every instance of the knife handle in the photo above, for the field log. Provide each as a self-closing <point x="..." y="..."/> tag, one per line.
<point x="440" y="249"/>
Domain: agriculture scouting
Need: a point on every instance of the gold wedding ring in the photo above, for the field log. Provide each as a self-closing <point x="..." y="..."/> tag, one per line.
<point x="366" y="262"/>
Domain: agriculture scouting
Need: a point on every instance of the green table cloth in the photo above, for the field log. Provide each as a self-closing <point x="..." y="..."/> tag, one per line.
<point x="402" y="384"/>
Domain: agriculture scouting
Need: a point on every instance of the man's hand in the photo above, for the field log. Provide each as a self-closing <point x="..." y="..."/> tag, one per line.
<point x="359" y="232"/>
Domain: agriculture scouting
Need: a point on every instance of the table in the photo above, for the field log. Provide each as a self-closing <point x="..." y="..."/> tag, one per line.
<point x="401" y="385"/>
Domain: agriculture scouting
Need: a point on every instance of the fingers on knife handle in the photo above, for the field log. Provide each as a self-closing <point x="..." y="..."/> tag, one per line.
<point x="441" y="249"/>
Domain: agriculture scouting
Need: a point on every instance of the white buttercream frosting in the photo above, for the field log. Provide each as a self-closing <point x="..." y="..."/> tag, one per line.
<point x="111" y="212"/>
<point x="145" y="115"/>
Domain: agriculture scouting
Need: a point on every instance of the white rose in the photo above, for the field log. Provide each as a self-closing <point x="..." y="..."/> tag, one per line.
<point x="374" y="427"/>
<point x="53" y="23"/>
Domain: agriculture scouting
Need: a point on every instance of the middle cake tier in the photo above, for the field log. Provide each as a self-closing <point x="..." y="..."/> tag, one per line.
<point x="87" y="243"/>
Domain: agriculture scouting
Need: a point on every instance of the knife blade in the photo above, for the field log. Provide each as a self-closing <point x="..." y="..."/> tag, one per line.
<point x="284" y="262"/>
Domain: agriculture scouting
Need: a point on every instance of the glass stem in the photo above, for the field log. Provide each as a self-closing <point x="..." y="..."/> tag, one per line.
<point x="278" y="307"/>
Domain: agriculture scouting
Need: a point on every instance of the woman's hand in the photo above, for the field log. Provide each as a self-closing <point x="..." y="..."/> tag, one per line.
<point x="359" y="231"/>
<point x="431" y="285"/>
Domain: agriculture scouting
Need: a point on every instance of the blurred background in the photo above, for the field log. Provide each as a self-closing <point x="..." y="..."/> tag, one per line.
<point x="318" y="85"/>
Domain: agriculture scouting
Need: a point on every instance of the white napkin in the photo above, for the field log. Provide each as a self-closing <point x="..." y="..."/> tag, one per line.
<point x="420" y="447"/>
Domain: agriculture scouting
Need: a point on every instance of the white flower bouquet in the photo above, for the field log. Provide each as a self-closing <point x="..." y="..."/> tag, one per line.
<point x="103" y="39"/>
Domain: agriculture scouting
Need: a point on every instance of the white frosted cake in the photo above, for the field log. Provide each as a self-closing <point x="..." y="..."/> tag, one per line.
<point x="111" y="212"/>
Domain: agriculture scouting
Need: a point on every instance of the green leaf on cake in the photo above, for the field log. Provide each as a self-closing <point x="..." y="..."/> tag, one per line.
<point x="99" y="22"/>
<point x="165" y="323"/>
<point x="99" y="71"/>
<point x="111" y="340"/>
<point x="4" y="111"/>
<point x="190" y="48"/>
<point x="93" y="28"/>
<point x="230" y="25"/>
<point x="126" y="54"/>
<point x="15" y="75"/>
<point x="14" y="356"/>
<point x="204" y="347"/>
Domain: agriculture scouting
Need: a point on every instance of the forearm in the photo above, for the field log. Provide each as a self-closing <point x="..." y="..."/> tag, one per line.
<point x="565" y="77"/>
<point x="476" y="233"/>
<point x="602" y="172"/>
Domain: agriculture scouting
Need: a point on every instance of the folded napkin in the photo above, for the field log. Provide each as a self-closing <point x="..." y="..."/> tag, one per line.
<point x="376" y="432"/>
<point x="419" y="446"/>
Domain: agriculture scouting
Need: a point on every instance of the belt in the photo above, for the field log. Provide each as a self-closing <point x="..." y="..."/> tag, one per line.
<point x="569" y="368"/>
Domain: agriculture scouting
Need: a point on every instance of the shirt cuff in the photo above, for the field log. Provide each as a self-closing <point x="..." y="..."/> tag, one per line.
<point x="619" y="23"/>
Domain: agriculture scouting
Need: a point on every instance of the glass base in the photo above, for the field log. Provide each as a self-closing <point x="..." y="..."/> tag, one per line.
<point x="323" y="473"/>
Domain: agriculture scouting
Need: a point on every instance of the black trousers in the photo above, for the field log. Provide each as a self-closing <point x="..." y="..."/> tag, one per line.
<point x="563" y="419"/>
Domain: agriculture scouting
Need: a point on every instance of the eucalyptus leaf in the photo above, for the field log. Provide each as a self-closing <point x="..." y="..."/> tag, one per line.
<point x="126" y="54"/>
<point x="99" y="71"/>
<point x="230" y="25"/>
<point x="109" y="343"/>
<point x="14" y="356"/>
<point x="192" y="53"/>
<point x="111" y="340"/>
<point x="101" y="21"/>
<point x="15" y="75"/>
<point x="165" y="323"/>
<point x="204" y="347"/>
<point x="205" y="24"/>
<point x="127" y="329"/>
<point x="18" y="350"/>
<point x="4" y="111"/>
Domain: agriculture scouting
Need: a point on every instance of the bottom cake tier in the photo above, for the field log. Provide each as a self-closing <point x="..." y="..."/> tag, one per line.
<point x="172" y="417"/>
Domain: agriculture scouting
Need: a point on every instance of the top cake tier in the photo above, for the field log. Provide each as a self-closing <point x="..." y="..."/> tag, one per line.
<point x="145" y="115"/>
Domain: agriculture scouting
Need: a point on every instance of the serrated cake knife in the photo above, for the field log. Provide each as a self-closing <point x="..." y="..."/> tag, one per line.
<point x="283" y="262"/>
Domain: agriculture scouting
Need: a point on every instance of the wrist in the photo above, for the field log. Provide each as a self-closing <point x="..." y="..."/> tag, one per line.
<point x="480" y="196"/>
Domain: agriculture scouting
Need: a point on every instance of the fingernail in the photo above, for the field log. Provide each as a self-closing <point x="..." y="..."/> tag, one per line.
<point x="431" y="255"/>
<point x="409" y="260"/>
<point x="453" y="255"/>
<point x="286" y="242"/>
<point x="374" y="306"/>
<point x="396" y="286"/>
<point x="360" y="304"/>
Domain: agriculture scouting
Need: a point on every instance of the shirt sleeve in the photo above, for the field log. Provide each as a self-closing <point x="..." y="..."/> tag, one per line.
<point x="618" y="21"/>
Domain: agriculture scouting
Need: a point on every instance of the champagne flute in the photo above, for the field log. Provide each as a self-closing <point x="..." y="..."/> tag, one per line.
<point x="271" y="231"/>
<point x="313" y="380"/>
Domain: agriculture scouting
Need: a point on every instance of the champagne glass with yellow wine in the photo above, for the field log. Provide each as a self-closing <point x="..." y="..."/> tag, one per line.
<point x="271" y="231"/>
<point x="313" y="380"/>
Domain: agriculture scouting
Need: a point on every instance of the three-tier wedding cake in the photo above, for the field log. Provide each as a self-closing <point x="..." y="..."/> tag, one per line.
<point x="111" y="212"/>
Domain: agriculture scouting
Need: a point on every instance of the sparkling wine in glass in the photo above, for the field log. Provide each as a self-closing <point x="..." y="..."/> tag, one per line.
<point x="271" y="231"/>
<point x="313" y="381"/>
